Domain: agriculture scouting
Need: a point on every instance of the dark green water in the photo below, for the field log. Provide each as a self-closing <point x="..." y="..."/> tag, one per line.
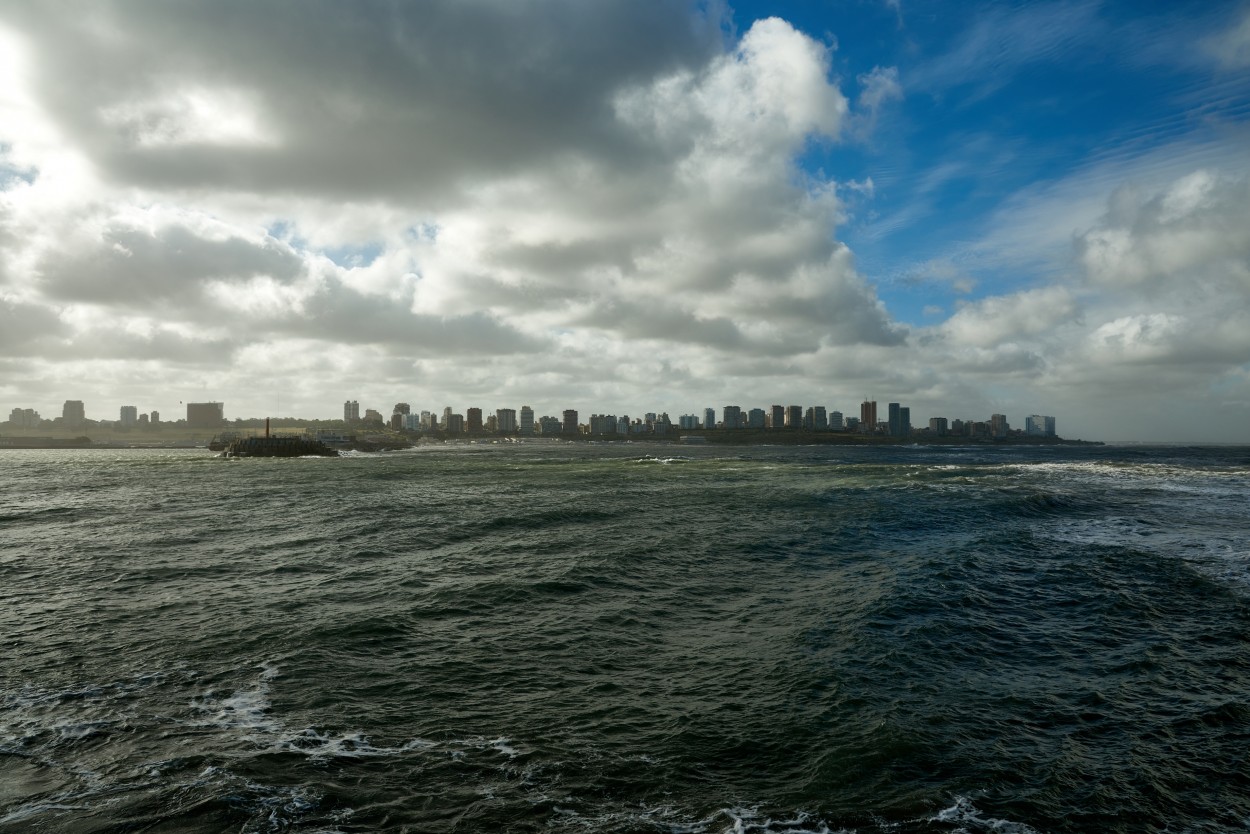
<point x="627" y="639"/>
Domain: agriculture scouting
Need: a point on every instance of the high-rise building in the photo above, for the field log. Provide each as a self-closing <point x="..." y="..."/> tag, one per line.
<point x="896" y="421"/>
<point x="446" y="423"/>
<point x="709" y="418"/>
<point x="757" y="419"/>
<point x="732" y="416"/>
<point x="835" y="421"/>
<point x="473" y="421"/>
<point x="129" y="417"/>
<point x="569" y="425"/>
<point x="156" y="418"/>
<point x="777" y="416"/>
<point x="455" y="424"/>
<point x="937" y="426"/>
<point x="401" y="408"/>
<point x="24" y="418"/>
<point x="205" y="415"/>
<point x="998" y="425"/>
<point x="820" y="420"/>
<point x="868" y="416"/>
<point x="904" y="421"/>
<point x="526" y="427"/>
<point x="794" y="417"/>
<point x="73" y="414"/>
<point x="1037" y="425"/>
<point x="603" y="424"/>
<point x="351" y="412"/>
<point x="549" y="425"/>
<point x="688" y="421"/>
<point x="505" y="419"/>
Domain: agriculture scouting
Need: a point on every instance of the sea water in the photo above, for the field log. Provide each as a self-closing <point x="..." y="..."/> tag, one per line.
<point x="627" y="638"/>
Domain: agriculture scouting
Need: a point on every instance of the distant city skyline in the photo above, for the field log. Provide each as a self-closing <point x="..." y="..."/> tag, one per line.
<point x="1013" y="207"/>
<point x="473" y="420"/>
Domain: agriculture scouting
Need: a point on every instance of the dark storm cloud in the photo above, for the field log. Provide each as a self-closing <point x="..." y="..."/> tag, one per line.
<point x="362" y="98"/>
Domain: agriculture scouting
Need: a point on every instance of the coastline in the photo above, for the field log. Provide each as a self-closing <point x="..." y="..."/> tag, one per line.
<point x="742" y="437"/>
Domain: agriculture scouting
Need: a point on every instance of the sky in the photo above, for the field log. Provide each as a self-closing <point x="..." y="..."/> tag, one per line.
<point x="626" y="207"/>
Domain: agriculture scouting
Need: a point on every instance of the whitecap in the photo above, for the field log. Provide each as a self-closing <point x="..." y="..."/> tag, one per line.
<point x="969" y="818"/>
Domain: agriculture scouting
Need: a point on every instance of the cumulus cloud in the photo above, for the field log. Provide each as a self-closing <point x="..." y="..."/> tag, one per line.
<point x="1194" y="229"/>
<point x="1010" y="318"/>
<point x="436" y="190"/>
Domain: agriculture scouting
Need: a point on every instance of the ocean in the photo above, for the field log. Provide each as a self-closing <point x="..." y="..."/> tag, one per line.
<point x="627" y="638"/>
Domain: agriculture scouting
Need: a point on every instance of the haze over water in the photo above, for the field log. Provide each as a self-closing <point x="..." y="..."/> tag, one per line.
<point x="626" y="638"/>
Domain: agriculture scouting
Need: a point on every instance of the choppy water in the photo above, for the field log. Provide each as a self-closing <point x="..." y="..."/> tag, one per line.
<point x="627" y="639"/>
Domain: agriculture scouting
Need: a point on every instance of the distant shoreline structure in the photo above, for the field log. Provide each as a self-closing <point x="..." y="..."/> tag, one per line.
<point x="716" y="437"/>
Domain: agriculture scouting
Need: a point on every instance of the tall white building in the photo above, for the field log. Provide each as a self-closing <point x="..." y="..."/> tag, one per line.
<point x="351" y="412"/>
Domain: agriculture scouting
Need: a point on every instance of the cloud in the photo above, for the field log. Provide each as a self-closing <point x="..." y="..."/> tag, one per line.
<point x="27" y="329"/>
<point x="1001" y="41"/>
<point x="1011" y="318"/>
<point x="146" y="261"/>
<point x="1230" y="47"/>
<point x="410" y="101"/>
<point x="606" y="205"/>
<point x="877" y="88"/>
<point x="1194" y="233"/>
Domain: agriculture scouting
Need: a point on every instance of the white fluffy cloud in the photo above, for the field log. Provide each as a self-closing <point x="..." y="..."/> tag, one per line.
<point x="1193" y="233"/>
